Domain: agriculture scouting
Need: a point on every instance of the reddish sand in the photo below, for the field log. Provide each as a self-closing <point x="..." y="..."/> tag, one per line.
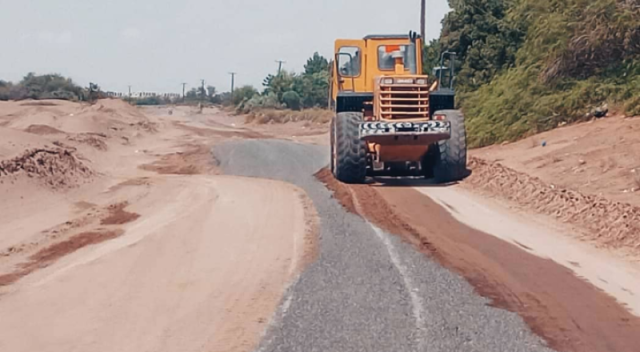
<point x="568" y="312"/>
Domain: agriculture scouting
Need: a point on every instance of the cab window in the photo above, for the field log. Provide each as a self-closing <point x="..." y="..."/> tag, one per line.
<point x="385" y="56"/>
<point x="349" y="61"/>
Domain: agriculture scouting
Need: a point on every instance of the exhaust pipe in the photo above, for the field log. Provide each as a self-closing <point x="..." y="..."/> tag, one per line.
<point x="413" y="53"/>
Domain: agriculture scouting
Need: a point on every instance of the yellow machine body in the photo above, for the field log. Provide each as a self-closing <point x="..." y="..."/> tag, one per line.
<point x="374" y="76"/>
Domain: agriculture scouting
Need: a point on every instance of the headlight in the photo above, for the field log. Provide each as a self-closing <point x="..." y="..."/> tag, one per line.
<point x="422" y="81"/>
<point x="404" y="81"/>
<point x="387" y="81"/>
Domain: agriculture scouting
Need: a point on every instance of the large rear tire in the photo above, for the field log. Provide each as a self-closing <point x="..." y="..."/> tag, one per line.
<point x="349" y="153"/>
<point x="333" y="148"/>
<point x="451" y="161"/>
<point x="429" y="160"/>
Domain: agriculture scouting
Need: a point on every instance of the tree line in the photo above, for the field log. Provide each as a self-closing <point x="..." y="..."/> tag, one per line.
<point x="51" y="86"/>
<point x="288" y="89"/>
<point x="284" y="90"/>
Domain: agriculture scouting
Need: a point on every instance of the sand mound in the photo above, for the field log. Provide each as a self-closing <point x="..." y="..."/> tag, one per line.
<point x="196" y="160"/>
<point x="608" y="223"/>
<point x="122" y="112"/>
<point x="42" y="130"/>
<point x="109" y="116"/>
<point x="56" y="168"/>
<point x="22" y="115"/>
<point x="117" y="106"/>
<point x="39" y="103"/>
<point x="14" y="142"/>
<point x="95" y="140"/>
<point x="600" y="158"/>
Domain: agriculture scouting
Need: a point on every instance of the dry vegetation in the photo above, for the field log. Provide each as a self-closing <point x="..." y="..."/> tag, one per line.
<point x="267" y="116"/>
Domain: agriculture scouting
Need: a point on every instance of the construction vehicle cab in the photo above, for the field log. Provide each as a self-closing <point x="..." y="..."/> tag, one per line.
<point x="390" y="119"/>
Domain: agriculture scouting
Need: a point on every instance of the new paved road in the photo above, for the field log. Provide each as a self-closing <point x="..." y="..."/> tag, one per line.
<point x="368" y="291"/>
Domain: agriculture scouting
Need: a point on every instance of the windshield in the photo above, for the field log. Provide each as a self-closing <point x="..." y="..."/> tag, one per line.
<point x="385" y="56"/>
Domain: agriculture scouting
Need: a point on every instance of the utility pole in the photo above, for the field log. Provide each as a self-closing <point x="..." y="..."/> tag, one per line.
<point x="280" y="62"/>
<point x="233" y="80"/>
<point x="423" y="21"/>
<point x="203" y="92"/>
<point x="129" y="92"/>
<point x="184" y="85"/>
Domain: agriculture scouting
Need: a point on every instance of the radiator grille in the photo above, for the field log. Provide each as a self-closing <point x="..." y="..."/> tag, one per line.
<point x="404" y="101"/>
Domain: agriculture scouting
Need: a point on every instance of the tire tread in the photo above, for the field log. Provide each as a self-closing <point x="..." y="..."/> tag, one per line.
<point x="451" y="164"/>
<point x="351" y="153"/>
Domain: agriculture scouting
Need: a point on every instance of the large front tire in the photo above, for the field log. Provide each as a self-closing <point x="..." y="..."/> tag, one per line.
<point x="451" y="161"/>
<point x="349" y="152"/>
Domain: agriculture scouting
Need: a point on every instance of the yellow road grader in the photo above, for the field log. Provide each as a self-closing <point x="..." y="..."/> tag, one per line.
<point x="390" y="119"/>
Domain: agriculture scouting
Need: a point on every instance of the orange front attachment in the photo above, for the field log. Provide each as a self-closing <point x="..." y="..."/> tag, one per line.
<point x="394" y="153"/>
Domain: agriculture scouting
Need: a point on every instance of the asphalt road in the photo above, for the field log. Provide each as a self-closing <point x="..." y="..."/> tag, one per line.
<point x="368" y="290"/>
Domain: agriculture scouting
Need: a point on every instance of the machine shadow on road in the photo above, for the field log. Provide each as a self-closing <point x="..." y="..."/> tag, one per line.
<point x="406" y="182"/>
<point x="389" y="181"/>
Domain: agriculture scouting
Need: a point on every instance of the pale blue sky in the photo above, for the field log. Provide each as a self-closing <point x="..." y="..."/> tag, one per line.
<point x="154" y="45"/>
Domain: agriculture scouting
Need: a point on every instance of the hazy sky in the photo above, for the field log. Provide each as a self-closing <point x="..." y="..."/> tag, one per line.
<point x="154" y="45"/>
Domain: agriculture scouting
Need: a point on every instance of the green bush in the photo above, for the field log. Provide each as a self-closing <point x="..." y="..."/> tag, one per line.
<point x="265" y="101"/>
<point x="32" y="86"/>
<point x="312" y="86"/>
<point x="5" y="90"/>
<point x="52" y="86"/>
<point x="150" y="101"/>
<point x="292" y="100"/>
<point x="243" y="94"/>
